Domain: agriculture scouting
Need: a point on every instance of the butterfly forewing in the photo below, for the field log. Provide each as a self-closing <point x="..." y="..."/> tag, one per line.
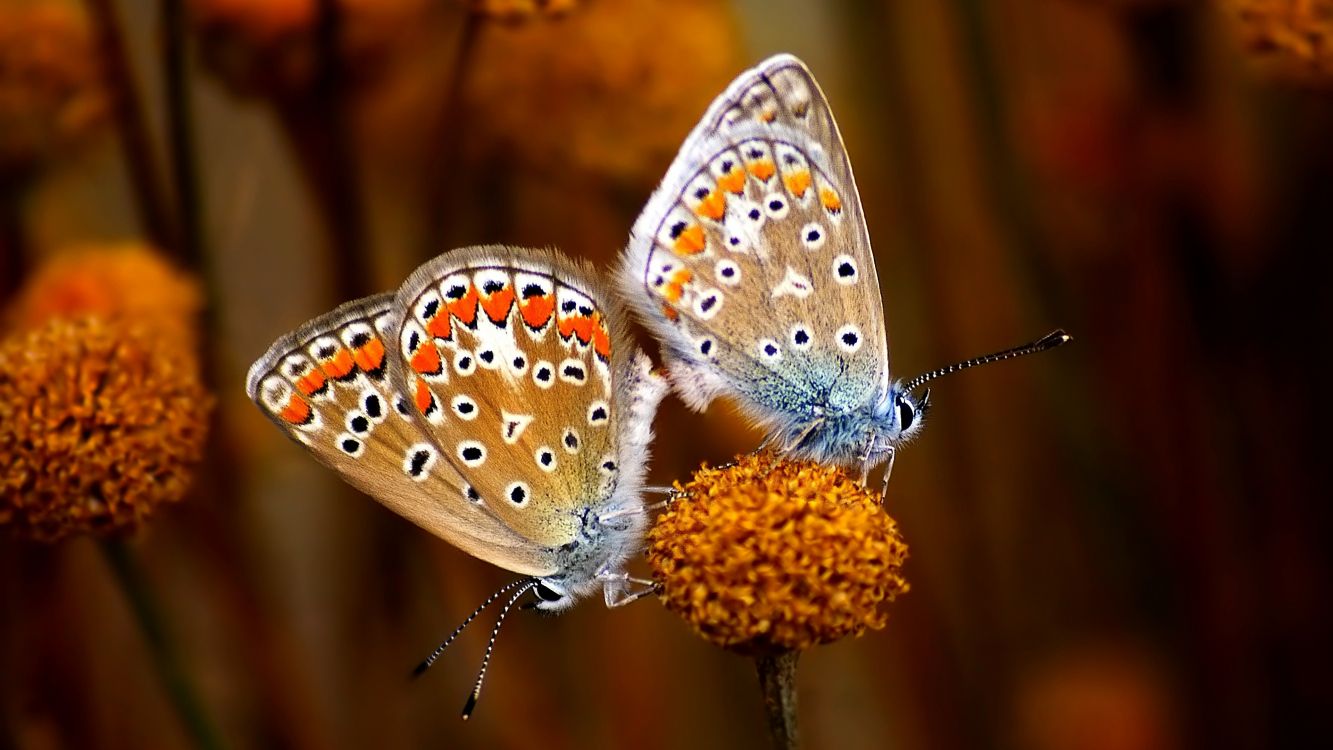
<point x="752" y="261"/>
<point x="329" y="386"/>
<point x="517" y="373"/>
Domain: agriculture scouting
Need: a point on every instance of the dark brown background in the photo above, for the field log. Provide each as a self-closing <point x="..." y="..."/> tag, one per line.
<point x="1121" y="544"/>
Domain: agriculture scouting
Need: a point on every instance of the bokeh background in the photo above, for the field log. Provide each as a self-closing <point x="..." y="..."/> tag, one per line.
<point x="1123" y="544"/>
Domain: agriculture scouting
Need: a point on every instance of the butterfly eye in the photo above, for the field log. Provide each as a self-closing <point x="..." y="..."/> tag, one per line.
<point x="906" y="414"/>
<point x="546" y="593"/>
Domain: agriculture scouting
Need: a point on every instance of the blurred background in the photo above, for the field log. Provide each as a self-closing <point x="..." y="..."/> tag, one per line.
<point x="1120" y="544"/>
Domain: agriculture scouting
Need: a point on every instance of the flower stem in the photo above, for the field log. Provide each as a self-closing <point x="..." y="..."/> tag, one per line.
<point x="140" y="598"/>
<point x="777" y="681"/>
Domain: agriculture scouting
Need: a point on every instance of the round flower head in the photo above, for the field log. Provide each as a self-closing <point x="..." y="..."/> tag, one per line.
<point x="128" y="281"/>
<point x="100" y="422"/>
<point x="771" y="554"/>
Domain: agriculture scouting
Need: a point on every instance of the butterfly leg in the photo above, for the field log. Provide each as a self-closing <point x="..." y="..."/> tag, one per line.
<point x="888" y="471"/>
<point x="611" y="515"/>
<point x="618" y="588"/>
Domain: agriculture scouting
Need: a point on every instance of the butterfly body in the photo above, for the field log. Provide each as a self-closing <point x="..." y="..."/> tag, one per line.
<point x="495" y="401"/>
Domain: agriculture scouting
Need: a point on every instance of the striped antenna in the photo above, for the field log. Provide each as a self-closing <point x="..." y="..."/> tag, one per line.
<point x="1049" y="341"/>
<point x="490" y="646"/>
<point x="429" y="660"/>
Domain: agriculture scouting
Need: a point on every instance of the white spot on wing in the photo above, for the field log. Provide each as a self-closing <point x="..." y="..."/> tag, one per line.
<point x="793" y="284"/>
<point x="513" y="425"/>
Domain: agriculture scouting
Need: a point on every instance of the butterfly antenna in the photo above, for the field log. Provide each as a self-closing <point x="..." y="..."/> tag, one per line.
<point x="429" y="660"/>
<point x="490" y="647"/>
<point x="1049" y="341"/>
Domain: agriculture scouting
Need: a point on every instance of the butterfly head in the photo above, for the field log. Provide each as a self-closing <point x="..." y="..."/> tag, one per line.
<point x="897" y="419"/>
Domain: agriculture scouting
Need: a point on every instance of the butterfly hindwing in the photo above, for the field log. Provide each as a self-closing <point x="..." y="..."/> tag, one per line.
<point x="752" y="262"/>
<point x="520" y="371"/>
<point x="330" y="386"/>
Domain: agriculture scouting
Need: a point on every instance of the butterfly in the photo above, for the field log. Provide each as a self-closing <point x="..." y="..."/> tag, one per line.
<point x="496" y="401"/>
<point x="752" y="265"/>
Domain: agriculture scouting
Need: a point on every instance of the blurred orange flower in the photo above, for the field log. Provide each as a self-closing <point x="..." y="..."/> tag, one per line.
<point x="118" y="281"/>
<point x="611" y="90"/>
<point x="52" y="96"/>
<point x="770" y="554"/>
<point x="100" y="423"/>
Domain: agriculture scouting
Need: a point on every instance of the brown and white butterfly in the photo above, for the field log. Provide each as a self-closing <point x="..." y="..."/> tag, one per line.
<point x="752" y="265"/>
<point x="496" y="401"/>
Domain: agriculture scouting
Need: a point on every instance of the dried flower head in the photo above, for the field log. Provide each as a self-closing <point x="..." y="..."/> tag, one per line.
<point x="52" y="95"/>
<point x="125" y="281"/>
<point x="1292" y="38"/>
<point x="770" y="554"/>
<point x="100" y="423"/>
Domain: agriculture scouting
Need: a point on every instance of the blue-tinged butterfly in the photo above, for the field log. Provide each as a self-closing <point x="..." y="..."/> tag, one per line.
<point x="497" y="402"/>
<point x="752" y="265"/>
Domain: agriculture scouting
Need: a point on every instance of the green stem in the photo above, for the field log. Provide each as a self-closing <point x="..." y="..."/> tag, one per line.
<point x="140" y="598"/>
<point x="777" y="681"/>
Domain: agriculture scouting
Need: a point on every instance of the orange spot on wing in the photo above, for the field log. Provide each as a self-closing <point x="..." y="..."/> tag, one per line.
<point x="297" y="411"/>
<point x="713" y="205"/>
<point x="830" y="199"/>
<point x="340" y="365"/>
<point x="675" y="287"/>
<point x="768" y="115"/>
<point x="601" y="338"/>
<point x="797" y="181"/>
<point x="441" y="325"/>
<point x="465" y="309"/>
<point x="691" y="241"/>
<point x="426" y="359"/>
<point x="578" y="325"/>
<point x="762" y="168"/>
<point x="423" y="399"/>
<point x="670" y="312"/>
<point x="311" y="382"/>
<point x="536" y="310"/>
<point x="370" y="355"/>
<point x="498" y="303"/>
<point x="733" y="181"/>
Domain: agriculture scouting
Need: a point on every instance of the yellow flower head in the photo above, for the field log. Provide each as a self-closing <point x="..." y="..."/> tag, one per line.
<point x="128" y="281"/>
<point x="770" y="554"/>
<point x="100" y="422"/>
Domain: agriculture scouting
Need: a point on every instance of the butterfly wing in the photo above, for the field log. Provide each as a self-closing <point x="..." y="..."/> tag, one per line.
<point x="330" y="385"/>
<point x="519" y="365"/>
<point x="752" y="262"/>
